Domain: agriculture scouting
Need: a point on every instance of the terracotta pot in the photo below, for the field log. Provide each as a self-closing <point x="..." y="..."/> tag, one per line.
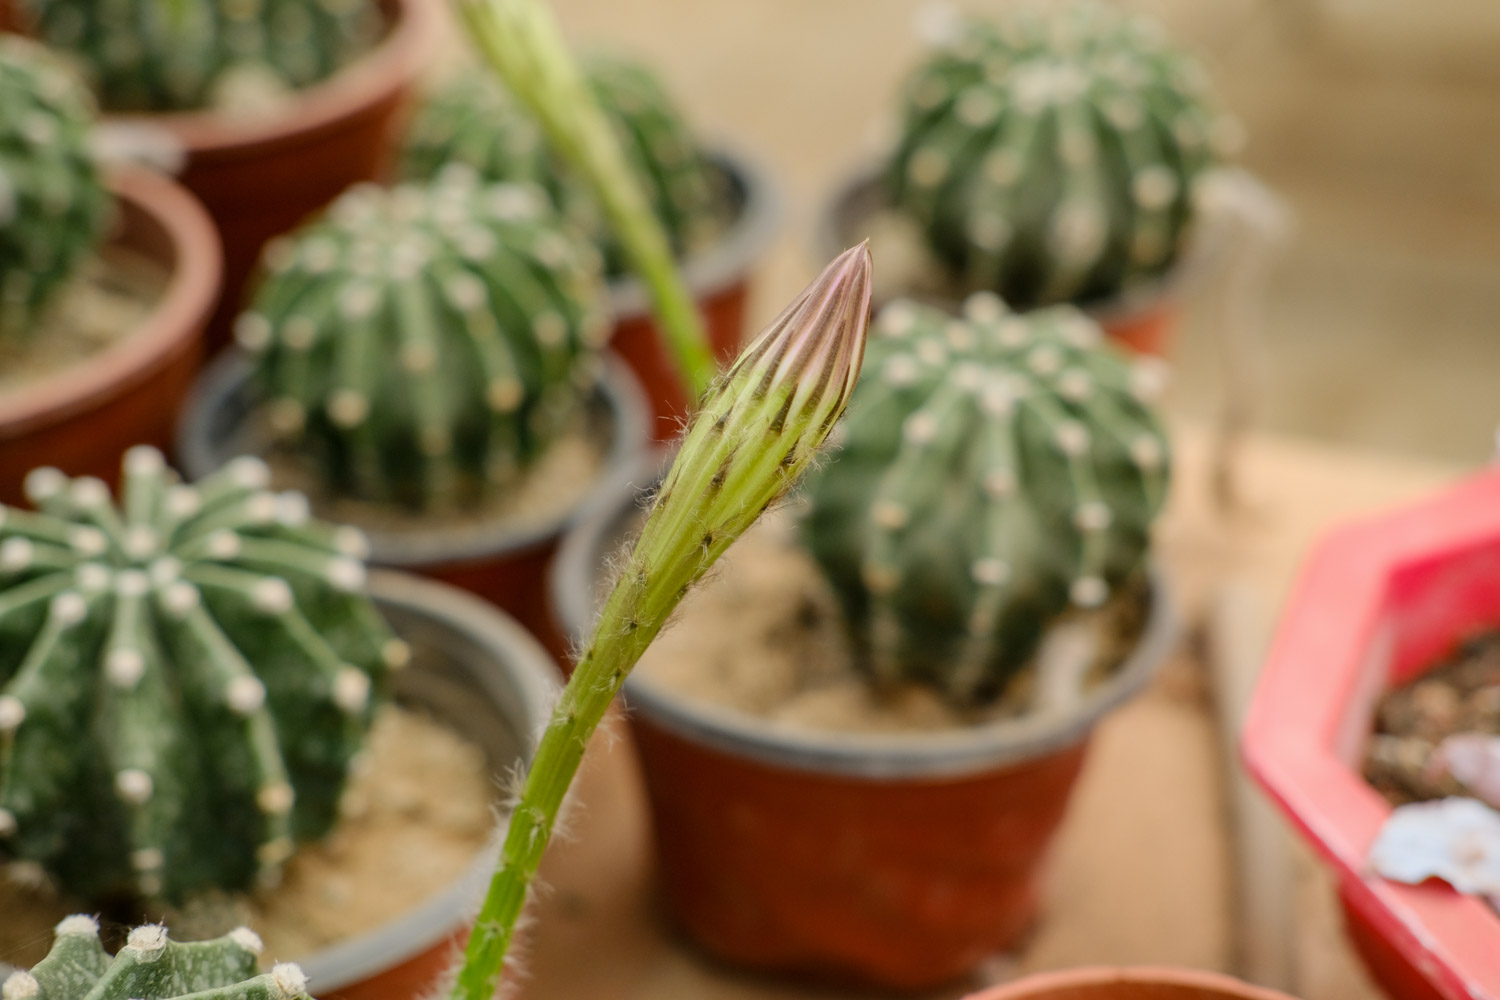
<point x="719" y="280"/>
<point x="83" y="418"/>
<point x="898" y="861"/>
<point x="1142" y="319"/>
<point x="481" y="673"/>
<point x="504" y="563"/>
<point x="260" y="178"/>
<point x="1377" y="603"/>
<point x="1143" y="983"/>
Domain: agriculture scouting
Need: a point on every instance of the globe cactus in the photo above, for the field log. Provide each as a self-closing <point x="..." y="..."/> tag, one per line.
<point x="167" y="55"/>
<point x="995" y="469"/>
<point x="426" y="343"/>
<point x="473" y="120"/>
<point x="184" y="678"/>
<point x="152" y="967"/>
<point x="53" y="204"/>
<point x="1052" y="156"/>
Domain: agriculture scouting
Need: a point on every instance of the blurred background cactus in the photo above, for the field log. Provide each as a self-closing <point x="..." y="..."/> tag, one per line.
<point x="424" y="344"/>
<point x="184" y="678"/>
<point x="168" y="55"/>
<point x="472" y="119"/>
<point x="1051" y="155"/>
<point x="152" y="967"/>
<point x="53" y="204"/>
<point x="995" y="469"/>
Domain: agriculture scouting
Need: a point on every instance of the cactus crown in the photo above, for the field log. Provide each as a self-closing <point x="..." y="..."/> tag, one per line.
<point x="995" y="469"/>
<point x="52" y="202"/>
<point x="473" y="120"/>
<point x="167" y="55"/>
<point x="428" y="342"/>
<point x="183" y="678"/>
<point x="152" y="967"/>
<point x="1052" y="156"/>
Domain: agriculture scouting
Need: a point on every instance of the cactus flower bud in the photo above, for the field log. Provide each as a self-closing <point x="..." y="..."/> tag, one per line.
<point x="757" y="430"/>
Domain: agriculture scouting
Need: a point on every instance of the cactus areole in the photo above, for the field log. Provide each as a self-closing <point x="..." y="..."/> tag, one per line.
<point x="184" y="678"/>
<point x="1051" y="156"/>
<point x="53" y="203"/>
<point x="152" y="967"/>
<point x="995" y="469"/>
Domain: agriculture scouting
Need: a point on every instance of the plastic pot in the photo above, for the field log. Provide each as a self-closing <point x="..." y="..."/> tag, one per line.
<point x="83" y="418"/>
<point x="897" y="861"/>
<point x="499" y="560"/>
<point x="1377" y="603"/>
<point x="479" y="672"/>
<point x="1143" y="983"/>
<point x="719" y="280"/>
<point x="260" y="177"/>
<point x="1142" y="319"/>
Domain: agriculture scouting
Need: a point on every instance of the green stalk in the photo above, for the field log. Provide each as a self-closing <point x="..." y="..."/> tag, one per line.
<point x="522" y="44"/>
<point x="757" y="432"/>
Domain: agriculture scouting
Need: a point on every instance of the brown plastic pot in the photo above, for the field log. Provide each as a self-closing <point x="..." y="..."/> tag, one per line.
<point x="1141" y="983"/>
<point x="718" y="279"/>
<point x="1142" y="319"/>
<point x="897" y="861"/>
<point x="261" y="177"/>
<point x="82" y="419"/>
<point x="503" y="562"/>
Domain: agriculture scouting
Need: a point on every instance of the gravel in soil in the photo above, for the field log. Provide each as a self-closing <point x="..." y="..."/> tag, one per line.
<point x="1459" y="695"/>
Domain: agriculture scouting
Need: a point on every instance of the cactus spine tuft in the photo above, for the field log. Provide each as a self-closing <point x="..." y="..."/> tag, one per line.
<point x="184" y="679"/>
<point x="995" y="469"/>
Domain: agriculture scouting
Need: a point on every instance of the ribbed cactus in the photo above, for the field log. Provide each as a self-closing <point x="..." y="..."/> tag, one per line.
<point x="1052" y="156"/>
<point x="183" y="678"/>
<point x="473" y="120"/>
<point x="152" y="967"/>
<point x="52" y="202"/>
<point x="166" y="55"/>
<point x="995" y="469"/>
<point x="427" y="342"/>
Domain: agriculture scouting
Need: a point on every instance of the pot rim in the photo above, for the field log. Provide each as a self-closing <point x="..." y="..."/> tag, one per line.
<point x="533" y="678"/>
<point x="1196" y="259"/>
<point x="867" y="756"/>
<point x="1069" y="982"/>
<point x="377" y="75"/>
<point x="227" y="377"/>
<point x="725" y="263"/>
<point x="174" y="324"/>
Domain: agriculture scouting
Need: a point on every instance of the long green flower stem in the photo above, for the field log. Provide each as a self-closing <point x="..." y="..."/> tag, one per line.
<point x="758" y="430"/>
<point x="522" y="44"/>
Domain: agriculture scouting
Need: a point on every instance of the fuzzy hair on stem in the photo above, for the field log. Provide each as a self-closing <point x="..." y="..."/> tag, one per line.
<point x="757" y="431"/>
